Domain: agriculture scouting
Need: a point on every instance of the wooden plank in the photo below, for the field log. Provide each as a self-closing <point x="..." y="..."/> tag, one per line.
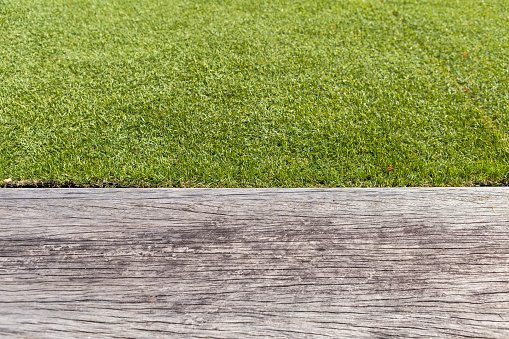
<point x="231" y="263"/>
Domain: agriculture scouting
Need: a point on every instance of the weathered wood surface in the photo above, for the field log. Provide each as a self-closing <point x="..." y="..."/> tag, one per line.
<point x="239" y="263"/>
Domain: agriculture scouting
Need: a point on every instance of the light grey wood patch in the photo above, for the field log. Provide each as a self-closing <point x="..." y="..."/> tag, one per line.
<point x="242" y="263"/>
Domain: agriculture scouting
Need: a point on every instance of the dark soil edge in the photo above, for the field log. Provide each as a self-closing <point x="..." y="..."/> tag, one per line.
<point x="71" y="184"/>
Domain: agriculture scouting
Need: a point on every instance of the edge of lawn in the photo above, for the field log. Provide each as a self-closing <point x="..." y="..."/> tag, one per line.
<point x="194" y="184"/>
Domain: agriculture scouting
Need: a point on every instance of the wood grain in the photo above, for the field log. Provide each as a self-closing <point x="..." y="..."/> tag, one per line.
<point x="245" y="263"/>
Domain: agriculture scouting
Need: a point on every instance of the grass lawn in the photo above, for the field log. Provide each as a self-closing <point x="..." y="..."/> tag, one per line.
<point x="255" y="93"/>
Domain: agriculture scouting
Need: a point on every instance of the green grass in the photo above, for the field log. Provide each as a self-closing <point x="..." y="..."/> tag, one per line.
<point x="245" y="93"/>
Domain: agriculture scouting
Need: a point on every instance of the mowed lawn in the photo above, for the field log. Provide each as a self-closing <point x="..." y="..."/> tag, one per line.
<point x="255" y="93"/>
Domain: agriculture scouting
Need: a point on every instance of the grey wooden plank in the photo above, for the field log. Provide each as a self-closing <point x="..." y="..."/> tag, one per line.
<point x="230" y="263"/>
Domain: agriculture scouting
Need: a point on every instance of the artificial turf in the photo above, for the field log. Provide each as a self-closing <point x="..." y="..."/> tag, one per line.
<point x="250" y="93"/>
